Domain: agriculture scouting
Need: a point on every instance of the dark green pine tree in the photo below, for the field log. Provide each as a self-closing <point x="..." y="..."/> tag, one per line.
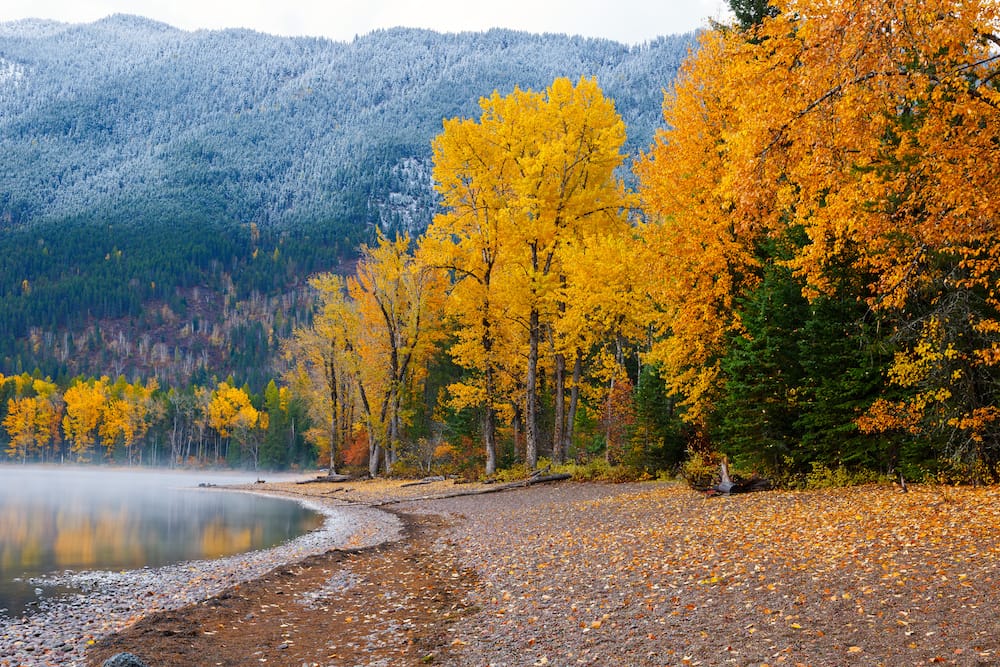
<point x="660" y="436"/>
<point x="749" y="13"/>
<point x="274" y="450"/>
<point x="801" y="375"/>
<point x="756" y="417"/>
<point x="843" y="365"/>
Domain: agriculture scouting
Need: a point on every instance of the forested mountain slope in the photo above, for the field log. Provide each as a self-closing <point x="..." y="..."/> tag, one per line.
<point x="142" y="162"/>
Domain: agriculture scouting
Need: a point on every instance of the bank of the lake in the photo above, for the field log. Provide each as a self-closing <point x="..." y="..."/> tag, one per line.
<point x="57" y="518"/>
<point x="64" y="628"/>
<point x="635" y="575"/>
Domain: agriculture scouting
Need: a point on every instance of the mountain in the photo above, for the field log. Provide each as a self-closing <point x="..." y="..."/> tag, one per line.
<point x="146" y="164"/>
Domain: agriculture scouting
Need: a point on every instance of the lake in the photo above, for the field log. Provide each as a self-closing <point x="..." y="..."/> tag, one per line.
<point x="56" y="519"/>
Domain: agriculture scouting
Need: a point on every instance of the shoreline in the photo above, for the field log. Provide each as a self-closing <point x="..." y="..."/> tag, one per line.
<point x="60" y="632"/>
<point x="638" y="575"/>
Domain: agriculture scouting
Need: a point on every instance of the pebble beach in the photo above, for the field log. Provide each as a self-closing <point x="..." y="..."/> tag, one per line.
<point x="63" y="628"/>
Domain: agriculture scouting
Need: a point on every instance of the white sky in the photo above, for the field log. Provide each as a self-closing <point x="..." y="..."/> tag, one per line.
<point x="629" y="21"/>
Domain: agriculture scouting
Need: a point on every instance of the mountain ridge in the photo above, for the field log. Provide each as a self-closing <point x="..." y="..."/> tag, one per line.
<point x="151" y="160"/>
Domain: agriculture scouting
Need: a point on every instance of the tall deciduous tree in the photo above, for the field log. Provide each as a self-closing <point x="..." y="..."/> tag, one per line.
<point x="32" y="420"/>
<point x="232" y="414"/>
<point x="126" y="415"/>
<point x="85" y="400"/>
<point x="325" y="366"/>
<point x="371" y="342"/>
<point x="398" y="300"/>
<point x="533" y="175"/>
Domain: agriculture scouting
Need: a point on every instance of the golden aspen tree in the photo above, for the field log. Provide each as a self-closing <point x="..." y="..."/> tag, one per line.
<point x="85" y="400"/>
<point x="369" y="345"/>
<point x="533" y="173"/>
<point x="468" y="241"/>
<point x="398" y="301"/>
<point x="232" y="414"/>
<point x="27" y="425"/>
<point x="604" y="314"/>
<point x="324" y="367"/>
<point x="125" y="416"/>
<point x="32" y="416"/>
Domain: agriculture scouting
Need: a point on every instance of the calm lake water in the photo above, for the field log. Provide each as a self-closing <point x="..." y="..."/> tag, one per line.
<point x="59" y="519"/>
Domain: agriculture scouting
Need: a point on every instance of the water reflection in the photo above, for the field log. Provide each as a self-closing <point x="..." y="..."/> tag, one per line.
<point x="81" y="519"/>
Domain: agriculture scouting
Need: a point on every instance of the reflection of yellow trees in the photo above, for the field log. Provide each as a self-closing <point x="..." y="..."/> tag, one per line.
<point x="218" y="539"/>
<point x="111" y="536"/>
<point x="18" y="534"/>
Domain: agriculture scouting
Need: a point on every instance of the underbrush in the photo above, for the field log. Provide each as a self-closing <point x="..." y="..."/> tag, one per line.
<point x="596" y="470"/>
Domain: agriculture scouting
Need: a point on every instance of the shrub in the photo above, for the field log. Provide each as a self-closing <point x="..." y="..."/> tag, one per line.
<point x="700" y="471"/>
<point x="599" y="470"/>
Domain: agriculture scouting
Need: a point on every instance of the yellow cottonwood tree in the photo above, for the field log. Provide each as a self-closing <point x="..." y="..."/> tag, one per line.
<point x="84" y="402"/>
<point x="125" y="415"/>
<point x="398" y="304"/>
<point x="324" y="368"/>
<point x="32" y="420"/>
<point x="369" y="345"/>
<point x="232" y="414"/>
<point x="532" y="175"/>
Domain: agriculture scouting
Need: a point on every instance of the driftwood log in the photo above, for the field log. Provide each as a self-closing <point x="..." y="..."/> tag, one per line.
<point x="425" y="480"/>
<point x="729" y="485"/>
<point x="327" y="478"/>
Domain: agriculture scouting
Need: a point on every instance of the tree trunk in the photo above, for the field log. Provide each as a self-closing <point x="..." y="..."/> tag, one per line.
<point x="531" y="395"/>
<point x="374" y="455"/>
<point x="333" y="384"/>
<point x="559" y="428"/>
<point x="607" y="426"/>
<point x="489" y="439"/>
<point x="489" y="416"/>
<point x="574" y="399"/>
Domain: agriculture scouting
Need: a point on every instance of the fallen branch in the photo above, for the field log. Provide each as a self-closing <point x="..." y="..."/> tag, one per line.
<point x="327" y="478"/>
<point x="425" y="480"/>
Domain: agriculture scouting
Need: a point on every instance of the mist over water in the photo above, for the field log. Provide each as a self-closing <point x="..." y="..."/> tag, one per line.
<point x="56" y="519"/>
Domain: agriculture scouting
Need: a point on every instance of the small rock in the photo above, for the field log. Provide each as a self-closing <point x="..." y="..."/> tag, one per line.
<point x="124" y="660"/>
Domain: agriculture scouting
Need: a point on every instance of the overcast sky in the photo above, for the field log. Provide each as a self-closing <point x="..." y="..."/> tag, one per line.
<point x="630" y="21"/>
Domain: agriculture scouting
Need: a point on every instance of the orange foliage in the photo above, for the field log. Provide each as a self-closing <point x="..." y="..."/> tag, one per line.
<point x="874" y="127"/>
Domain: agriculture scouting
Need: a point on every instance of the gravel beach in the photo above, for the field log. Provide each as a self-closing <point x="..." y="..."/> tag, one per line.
<point x="568" y="574"/>
<point x="60" y="633"/>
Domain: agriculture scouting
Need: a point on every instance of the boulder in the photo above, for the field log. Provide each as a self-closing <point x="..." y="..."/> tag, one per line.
<point x="124" y="660"/>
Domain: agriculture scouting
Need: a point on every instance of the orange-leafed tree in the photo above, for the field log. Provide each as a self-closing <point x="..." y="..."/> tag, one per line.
<point x="869" y="128"/>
